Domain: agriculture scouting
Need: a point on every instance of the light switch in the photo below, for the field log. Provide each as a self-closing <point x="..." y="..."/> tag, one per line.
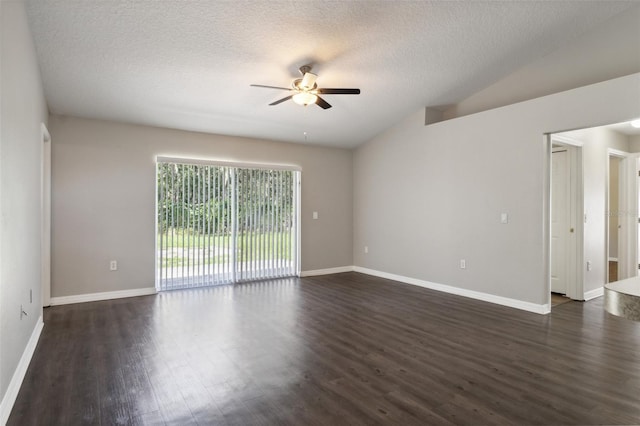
<point x="315" y="215"/>
<point x="504" y="218"/>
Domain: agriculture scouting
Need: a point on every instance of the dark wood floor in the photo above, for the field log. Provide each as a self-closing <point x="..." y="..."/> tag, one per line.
<point x="558" y="299"/>
<point x="613" y="271"/>
<point x="338" y="349"/>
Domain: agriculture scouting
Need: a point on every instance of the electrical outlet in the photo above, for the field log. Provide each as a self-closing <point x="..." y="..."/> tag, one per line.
<point x="588" y="265"/>
<point x="463" y="264"/>
<point x="366" y="249"/>
<point x="113" y="265"/>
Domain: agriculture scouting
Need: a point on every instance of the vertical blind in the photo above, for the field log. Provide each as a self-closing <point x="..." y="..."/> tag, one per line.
<point x="218" y="224"/>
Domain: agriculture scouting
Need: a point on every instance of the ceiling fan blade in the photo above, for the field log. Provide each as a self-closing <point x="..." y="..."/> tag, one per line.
<point x="279" y="101"/>
<point x="270" y="87"/>
<point x="339" y="91"/>
<point x="322" y="103"/>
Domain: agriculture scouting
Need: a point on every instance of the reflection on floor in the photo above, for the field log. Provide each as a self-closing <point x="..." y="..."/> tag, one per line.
<point x="613" y="271"/>
<point x="558" y="299"/>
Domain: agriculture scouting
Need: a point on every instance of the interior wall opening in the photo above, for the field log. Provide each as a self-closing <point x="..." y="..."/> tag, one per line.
<point x="605" y="217"/>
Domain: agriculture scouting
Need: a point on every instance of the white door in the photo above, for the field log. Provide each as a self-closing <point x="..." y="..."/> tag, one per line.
<point x="628" y="232"/>
<point x="616" y="246"/>
<point x="560" y="219"/>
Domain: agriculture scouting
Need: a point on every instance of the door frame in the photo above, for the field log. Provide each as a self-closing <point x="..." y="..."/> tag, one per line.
<point x="297" y="194"/>
<point x="568" y="240"/>
<point x="45" y="216"/>
<point x="575" y="275"/>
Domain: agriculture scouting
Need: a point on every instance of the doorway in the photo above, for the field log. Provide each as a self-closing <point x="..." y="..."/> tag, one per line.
<point x="565" y="225"/>
<point x="596" y="151"/>
<point x="622" y="220"/>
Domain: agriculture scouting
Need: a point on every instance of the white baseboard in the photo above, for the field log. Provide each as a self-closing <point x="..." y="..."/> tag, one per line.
<point x="327" y="271"/>
<point x="499" y="300"/>
<point x="107" y="295"/>
<point x="592" y="294"/>
<point x="18" y="376"/>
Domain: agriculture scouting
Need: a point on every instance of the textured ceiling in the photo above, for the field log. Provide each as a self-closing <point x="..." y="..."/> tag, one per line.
<point x="188" y="64"/>
<point x="625" y="128"/>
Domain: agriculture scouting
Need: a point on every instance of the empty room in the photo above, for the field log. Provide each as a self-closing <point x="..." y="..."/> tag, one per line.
<point x="311" y="212"/>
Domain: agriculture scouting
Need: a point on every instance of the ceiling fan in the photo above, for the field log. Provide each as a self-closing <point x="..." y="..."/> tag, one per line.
<point x="305" y="90"/>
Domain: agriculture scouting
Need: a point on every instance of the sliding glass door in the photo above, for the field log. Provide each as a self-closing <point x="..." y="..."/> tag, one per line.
<point x="218" y="224"/>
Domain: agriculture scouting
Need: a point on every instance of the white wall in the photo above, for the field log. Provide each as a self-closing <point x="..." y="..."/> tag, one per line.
<point x="634" y="143"/>
<point x="103" y="198"/>
<point x="428" y="196"/>
<point x="22" y="110"/>
<point x="610" y="51"/>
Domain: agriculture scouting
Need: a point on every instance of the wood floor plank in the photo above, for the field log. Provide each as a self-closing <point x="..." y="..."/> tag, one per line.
<point x="337" y="349"/>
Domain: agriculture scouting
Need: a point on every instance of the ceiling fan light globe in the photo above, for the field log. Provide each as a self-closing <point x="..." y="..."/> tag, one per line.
<point x="305" y="98"/>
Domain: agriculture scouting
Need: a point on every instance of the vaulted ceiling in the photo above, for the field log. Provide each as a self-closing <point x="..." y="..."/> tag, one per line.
<point x="188" y="64"/>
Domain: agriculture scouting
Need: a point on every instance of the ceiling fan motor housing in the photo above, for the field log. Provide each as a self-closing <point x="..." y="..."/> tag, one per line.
<point x="306" y="91"/>
<point x="300" y="85"/>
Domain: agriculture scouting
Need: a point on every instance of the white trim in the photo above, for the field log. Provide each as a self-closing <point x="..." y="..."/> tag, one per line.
<point x="156" y="274"/>
<point x="45" y="216"/>
<point x="298" y="196"/>
<point x="18" y="376"/>
<point x="592" y="294"/>
<point x="225" y="163"/>
<point x="327" y="271"/>
<point x="107" y="295"/>
<point x="613" y="259"/>
<point x="565" y="140"/>
<point x="46" y="136"/>
<point x="612" y="152"/>
<point x="546" y="216"/>
<point x="499" y="300"/>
